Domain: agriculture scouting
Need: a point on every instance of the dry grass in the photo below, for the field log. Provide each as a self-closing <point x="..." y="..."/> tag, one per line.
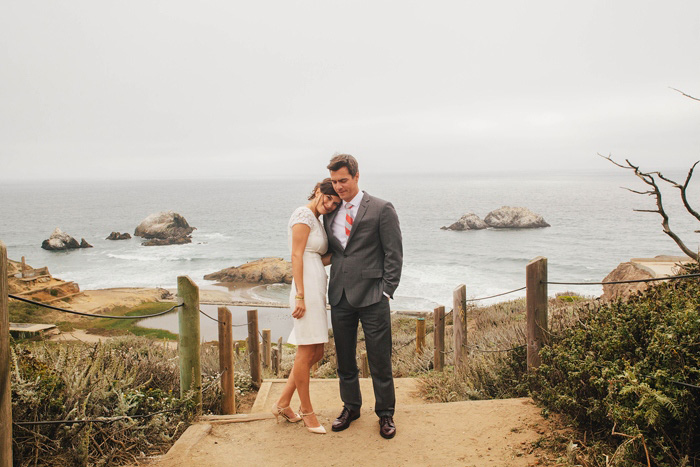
<point x="497" y="356"/>
<point x="125" y="377"/>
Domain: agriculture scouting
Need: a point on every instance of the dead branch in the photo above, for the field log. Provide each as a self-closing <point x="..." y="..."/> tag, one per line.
<point x="686" y="95"/>
<point x="649" y="179"/>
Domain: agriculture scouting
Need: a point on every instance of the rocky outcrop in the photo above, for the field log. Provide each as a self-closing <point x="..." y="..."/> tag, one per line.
<point x="625" y="272"/>
<point x="508" y="217"/>
<point x="168" y="227"/>
<point x="469" y="221"/>
<point x="119" y="236"/>
<point x="167" y="241"/>
<point x="60" y="240"/>
<point x="262" y="271"/>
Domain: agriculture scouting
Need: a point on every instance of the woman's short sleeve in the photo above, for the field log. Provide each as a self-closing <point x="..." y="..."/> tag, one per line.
<point x="302" y="215"/>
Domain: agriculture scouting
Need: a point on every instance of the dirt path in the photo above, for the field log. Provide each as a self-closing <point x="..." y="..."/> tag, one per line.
<point x="471" y="433"/>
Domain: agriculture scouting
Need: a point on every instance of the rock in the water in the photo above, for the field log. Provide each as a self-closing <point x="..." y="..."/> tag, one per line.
<point x="60" y="240"/>
<point x="167" y="241"/>
<point x="469" y="221"/>
<point x="626" y="272"/>
<point x="168" y="225"/>
<point x="508" y="217"/>
<point x="119" y="236"/>
<point x="84" y="244"/>
<point x="263" y="271"/>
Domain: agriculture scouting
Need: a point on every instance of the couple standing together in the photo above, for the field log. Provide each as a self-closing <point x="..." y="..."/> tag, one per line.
<point x="360" y="238"/>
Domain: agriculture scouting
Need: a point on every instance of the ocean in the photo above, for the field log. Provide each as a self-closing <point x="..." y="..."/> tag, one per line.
<point x="593" y="229"/>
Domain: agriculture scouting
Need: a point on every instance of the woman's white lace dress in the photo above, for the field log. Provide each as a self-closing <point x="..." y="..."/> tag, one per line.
<point x="312" y="328"/>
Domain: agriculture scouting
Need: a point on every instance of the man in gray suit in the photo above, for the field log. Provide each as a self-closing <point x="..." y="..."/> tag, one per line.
<point x="364" y="238"/>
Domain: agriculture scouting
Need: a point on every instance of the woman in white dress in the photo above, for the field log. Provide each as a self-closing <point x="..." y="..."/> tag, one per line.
<point x="308" y="243"/>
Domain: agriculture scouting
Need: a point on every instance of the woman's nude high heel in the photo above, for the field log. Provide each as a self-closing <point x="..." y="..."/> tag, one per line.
<point x="313" y="429"/>
<point x="277" y="411"/>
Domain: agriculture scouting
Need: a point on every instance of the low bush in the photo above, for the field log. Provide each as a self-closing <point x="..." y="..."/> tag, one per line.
<point x="627" y="373"/>
<point x="125" y="377"/>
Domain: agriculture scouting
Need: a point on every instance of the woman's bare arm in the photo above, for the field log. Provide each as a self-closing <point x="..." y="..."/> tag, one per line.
<point x="300" y="235"/>
<point x="326" y="258"/>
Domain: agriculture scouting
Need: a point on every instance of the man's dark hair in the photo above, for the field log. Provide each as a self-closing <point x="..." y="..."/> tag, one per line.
<point x="344" y="160"/>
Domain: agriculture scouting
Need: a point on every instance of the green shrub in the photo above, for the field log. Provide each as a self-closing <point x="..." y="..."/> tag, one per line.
<point x="615" y="374"/>
<point x="124" y="377"/>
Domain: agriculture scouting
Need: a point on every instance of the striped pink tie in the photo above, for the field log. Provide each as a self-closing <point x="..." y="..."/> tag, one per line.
<point x="348" y="219"/>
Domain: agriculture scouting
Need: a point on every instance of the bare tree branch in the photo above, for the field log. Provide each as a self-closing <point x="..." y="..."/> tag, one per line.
<point x="648" y="178"/>
<point x="638" y="192"/>
<point x="686" y="95"/>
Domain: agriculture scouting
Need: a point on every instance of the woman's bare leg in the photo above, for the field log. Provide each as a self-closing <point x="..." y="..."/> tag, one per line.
<point x="306" y="356"/>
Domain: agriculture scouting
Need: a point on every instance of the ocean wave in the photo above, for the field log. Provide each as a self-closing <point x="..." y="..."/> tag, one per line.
<point x="213" y="235"/>
<point x="132" y="257"/>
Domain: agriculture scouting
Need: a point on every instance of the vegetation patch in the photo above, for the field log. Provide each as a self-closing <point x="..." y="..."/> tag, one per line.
<point x="626" y="374"/>
<point x="127" y="377"/>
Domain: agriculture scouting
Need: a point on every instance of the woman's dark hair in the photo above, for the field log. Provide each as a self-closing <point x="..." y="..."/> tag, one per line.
<point x="326" y="187"/>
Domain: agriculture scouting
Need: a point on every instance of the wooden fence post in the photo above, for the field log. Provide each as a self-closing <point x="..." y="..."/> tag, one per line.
<point x="5" y="394"/>
<point x="254" y="348"/>
<point x="365" y="364"/>
<point x="459" y="320"/>
<point x="537" y="326"/>
<point x="24" y="267"/>
<point x="279" y="356"/>
<point x="237" y="348"/>
<point x="275" y="361"/>
<point x="188" y="318"/>
<point x="420" y="334"/>
<point x="266" y="348"/>
<point x="439" y="338"/>
<point x="228" y="390"/>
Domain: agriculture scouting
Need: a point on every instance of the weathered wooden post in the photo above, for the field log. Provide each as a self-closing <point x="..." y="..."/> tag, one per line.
<point x="237" y="348"/>
<point x="279" y="356"/>
<point x="189" y="341"/>
<point x="266" y="348"/>
<point x="275" y="364"/>
<point x="24" y="267"/>
<point x="420" y="334"/>
<point x="537" y="326"/>
<point x="5" y="395"/>
<point x="228" y="390"/>
<point x="439" y="338"/>
<point x="365" y="364"/>
<point x="254" y="349"/>
<point x="459" y="321"/>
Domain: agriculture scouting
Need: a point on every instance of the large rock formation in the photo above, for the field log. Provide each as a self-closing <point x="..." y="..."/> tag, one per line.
<point x="263" y="271"/>
<point x="469" y="221"/>
<point x="119" y="236"/>
<point x="626" y="272"/>
<point x="508" y="217"/>
<point x="60" y="240"/>
<point x="641" y="268"/>
<point x="168" y="226"/>
<point x="167" y="241"/>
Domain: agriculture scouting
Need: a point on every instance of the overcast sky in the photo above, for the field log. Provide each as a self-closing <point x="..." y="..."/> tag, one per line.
<point x="228" y="89"/>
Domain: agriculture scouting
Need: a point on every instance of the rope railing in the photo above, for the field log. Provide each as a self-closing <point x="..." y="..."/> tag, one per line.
<point x="79" y="313"/>
<point x="213" y="319"/>
<point x="631" y="281"/>
<point x="94" y="420"/>
<point x="476" y="349"/>
<point x="494" y="296"/>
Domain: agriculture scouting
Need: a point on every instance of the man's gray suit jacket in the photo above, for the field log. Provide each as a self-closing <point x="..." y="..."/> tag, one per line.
<point x="371" y="262"/>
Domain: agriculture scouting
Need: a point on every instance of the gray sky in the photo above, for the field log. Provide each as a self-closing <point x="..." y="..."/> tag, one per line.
<point x="221" y="89"/>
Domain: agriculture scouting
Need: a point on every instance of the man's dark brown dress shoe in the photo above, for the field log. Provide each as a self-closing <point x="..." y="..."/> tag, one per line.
<point x="344" y="419"/>
<point x="386" y="426"/>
